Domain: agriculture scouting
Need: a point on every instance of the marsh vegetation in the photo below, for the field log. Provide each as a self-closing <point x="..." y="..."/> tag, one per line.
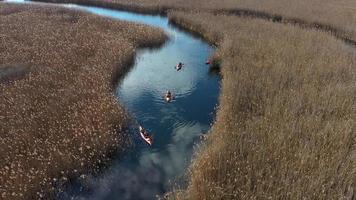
<point x="62" y="119"/>
<point x="335" y="16"/>
<point x="285" y="128"/>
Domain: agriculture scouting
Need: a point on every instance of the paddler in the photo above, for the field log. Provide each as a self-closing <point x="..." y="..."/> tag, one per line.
<point x="179" y="66"/>
<point x="144" y="132"/>
<point x="168" y="94"/>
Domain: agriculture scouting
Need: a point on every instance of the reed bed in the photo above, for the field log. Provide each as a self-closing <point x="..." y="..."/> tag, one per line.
<point x="286" y="124"/>
<point x="61" y="120"/>
<point x="335" y="16"/>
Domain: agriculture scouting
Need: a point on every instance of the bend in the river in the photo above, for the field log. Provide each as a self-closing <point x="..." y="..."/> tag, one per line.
<point x="149" y="171"/>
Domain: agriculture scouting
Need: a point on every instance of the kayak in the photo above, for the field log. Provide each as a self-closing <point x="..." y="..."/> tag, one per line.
<point x="208" y="62"/>
<point x="178" y="68"/>
<point x="168" y="99"/>
<point x="146" y="139"/>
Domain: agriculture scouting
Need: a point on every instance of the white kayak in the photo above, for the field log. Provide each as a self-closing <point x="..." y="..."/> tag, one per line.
<point x="146" y="139"/>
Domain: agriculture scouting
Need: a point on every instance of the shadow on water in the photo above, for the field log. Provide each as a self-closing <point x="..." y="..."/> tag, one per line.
<point x="147" y="171"/>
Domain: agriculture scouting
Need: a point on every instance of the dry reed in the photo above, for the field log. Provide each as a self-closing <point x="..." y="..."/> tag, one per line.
<point x="285" y="128"/>
<point x="62" y="119"/>
<point x="336" y="16"/>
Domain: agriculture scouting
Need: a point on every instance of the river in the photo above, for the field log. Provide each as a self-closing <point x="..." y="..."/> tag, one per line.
<point x="147" y="171"/>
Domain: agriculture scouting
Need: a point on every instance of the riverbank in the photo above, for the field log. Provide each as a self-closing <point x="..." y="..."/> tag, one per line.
<point x="285" y="128"/>
<point x="61" y="120"/>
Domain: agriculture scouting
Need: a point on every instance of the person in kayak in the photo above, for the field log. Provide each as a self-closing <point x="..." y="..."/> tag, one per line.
<point x="144" y="132"/>
<point x="168" y="94"/>
<point x="145" y="136"/>
<point x="179" y="66"/>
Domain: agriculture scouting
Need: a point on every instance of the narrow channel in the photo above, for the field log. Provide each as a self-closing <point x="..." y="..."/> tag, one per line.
<point x="147" y="171"/>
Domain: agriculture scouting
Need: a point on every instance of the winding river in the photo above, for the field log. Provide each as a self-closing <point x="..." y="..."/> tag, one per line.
<point x="147" y="171"/>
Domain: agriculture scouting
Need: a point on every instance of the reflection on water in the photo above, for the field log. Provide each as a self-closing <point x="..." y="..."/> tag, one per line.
<point x="148" y="171"/>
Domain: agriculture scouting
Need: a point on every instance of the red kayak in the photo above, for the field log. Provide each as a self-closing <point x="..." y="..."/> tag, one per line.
<point x="147" y="139"/>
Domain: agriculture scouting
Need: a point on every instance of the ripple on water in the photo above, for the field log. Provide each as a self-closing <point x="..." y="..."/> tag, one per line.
<point x="147" y="171"/>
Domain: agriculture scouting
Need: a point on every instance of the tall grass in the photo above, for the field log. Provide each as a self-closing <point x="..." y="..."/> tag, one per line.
<point x="62" y="119"/>
<point x="286" y="125"/>
<point x="335" y="16"/>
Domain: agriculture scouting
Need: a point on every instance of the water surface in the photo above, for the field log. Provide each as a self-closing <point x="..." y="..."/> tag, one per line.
<point x="146" y="171"/>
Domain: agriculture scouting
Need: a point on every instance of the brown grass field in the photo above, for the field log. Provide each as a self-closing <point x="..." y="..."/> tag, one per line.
<point x="60" y="119"/>
<point x="337" y="16"/>
<point x="286" y="125"/>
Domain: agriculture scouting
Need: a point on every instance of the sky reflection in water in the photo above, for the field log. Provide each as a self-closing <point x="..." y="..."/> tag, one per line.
<point x="148" y="171"/>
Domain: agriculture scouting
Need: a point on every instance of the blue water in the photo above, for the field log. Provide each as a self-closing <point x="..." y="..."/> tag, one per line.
<point x="146" y="171"/>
